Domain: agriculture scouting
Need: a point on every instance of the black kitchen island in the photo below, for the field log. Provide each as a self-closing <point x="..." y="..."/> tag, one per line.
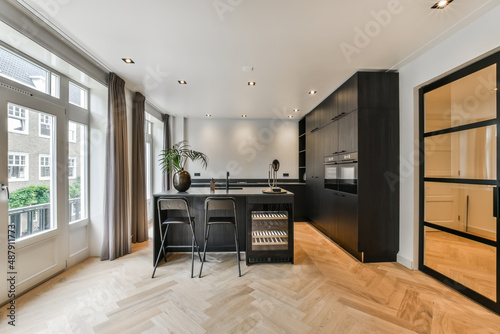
<point x="265" y="224"/>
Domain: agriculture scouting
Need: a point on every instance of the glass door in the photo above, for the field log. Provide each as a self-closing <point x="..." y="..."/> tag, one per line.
<point x="32" y="156"/>
<point x="459" y="181"/>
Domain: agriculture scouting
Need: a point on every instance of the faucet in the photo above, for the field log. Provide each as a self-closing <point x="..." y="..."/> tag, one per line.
<point x="227" y="181"/>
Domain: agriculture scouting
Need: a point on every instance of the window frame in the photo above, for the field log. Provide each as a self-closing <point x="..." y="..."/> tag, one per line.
<point x="26" y="166"/>
<point x="50" y="86"/>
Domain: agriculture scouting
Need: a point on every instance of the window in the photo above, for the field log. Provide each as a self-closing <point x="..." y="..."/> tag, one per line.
<point x="18" y="167"/>
<point x="44" y="167"/>
<point x="55" y="85"/>
<point x="72" y="132"/>
<point x="78" y="95"/>
<point x="77" y="173"/>
<point x="45" y="125"/>
<point x="18" y="119"/>
<point x="148" y="134"/>
<point x="27" y="73"/>
<point x="72" y="168"/>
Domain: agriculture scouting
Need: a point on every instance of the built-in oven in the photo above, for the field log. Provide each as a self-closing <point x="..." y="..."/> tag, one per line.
<point x="341" y="172"/>
<point x="331" y="172"/>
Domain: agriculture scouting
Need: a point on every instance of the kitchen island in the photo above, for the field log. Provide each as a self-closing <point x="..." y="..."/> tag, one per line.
<point x="250" y="202"/>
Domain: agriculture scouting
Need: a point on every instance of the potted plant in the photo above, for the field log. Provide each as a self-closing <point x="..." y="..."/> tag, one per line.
<point x="174" y="159"/>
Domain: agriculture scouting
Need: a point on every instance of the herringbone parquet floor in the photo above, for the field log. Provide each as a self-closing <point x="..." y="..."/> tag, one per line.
<point x="325" y="291"/>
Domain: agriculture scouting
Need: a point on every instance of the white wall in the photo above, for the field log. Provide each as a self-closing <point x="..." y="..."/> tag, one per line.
<point x="245" y="148"/>
<point x="466" y="45"/>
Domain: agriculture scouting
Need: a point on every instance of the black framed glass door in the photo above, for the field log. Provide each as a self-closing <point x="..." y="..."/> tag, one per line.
<point x="459" y="181"/>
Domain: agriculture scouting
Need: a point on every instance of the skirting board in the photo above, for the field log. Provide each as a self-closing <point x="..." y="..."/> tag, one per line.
<point x="405" y="262"/>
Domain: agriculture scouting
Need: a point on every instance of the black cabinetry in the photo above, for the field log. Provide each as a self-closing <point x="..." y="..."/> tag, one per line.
<point x="361" y="116"/>
<point x="348" y="132"/>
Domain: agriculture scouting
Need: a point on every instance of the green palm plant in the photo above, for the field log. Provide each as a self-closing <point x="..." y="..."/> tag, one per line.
<point x="174" y="159"/>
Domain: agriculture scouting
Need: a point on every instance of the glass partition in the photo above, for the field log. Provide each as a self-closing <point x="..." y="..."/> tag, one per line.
<point x="460" y="195"/>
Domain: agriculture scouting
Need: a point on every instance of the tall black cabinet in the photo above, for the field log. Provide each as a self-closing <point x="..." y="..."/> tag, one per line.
<point x="361" y="116"/>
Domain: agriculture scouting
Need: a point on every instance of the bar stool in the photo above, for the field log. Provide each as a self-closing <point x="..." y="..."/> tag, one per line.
<point x="179" y="207"/>
<point x="213" y="204"/>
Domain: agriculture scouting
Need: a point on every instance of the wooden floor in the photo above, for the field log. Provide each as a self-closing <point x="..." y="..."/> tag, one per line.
<point x="325" y="291"/>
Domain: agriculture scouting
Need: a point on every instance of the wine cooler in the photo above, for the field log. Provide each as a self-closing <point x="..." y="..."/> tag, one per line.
<point x="270" y="233"/>
<point x="269" y="230"/>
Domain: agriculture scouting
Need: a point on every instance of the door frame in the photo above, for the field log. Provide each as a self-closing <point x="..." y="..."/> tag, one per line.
<point x="490" y="60"/>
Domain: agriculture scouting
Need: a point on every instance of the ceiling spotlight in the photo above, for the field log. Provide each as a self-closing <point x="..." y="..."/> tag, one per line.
<point x="244" y="116"/>
<point x="251" y="83"/>
<point x="295" y="110"/>
<point x="128" y="60"/>
<point x="441" y="4"/>
<point x="208" y="115"/>
<point x="182" y="82"/>
<point x="495" y="89"/>
<point x="290" y="116"/>
<point x="312" y="92"/>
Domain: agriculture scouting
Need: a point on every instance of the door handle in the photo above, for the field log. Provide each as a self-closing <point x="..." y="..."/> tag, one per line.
<point x="4" y="187"/>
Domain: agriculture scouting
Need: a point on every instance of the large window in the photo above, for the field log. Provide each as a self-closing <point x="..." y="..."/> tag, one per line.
<point x="44" y="167"/>
<point x="45" y="125"/>
<point x="78" y="95"/>
<point x="18" y="119"/>
<point x="18" y="167"/>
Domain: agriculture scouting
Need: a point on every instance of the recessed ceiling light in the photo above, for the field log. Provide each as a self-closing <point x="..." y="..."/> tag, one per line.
<point x="295" y="110"/>
<point x="441" y="4"/>
<point x="128" y="60"/>
<point x="244" y="116"/>
<point x="312" y="92"/>
<point x="208" y="115"/>
<point x="290" y="116"/>
<point x="495" y="89"/>
<point x="251" y="83"/>
<point x="182" y="82"/>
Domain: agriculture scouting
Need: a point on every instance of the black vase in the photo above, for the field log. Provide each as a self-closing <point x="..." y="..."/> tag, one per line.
<point x="182" y="180"/>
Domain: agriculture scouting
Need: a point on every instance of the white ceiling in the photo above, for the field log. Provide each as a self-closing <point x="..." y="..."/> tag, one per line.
<point x="294" y="46"/>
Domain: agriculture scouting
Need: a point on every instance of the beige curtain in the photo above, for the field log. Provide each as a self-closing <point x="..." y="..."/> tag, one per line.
<point x="116" y="236"/>
<point x="167" y="178"/>
<point x="139" y="201"/>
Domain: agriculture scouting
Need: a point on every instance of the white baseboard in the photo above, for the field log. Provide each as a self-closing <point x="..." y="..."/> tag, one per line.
<point x="405" y="262"/>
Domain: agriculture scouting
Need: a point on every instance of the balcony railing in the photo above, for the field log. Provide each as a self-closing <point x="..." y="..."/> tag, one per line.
<point x="34" y="219"/>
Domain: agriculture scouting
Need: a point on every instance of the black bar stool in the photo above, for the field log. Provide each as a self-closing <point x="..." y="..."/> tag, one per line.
<point x="213" y="204"/>
<point x="180" y="210"/>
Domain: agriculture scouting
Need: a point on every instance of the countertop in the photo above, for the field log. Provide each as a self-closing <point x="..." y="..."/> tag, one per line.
<point x="246" y="184"/>
<point x="202" y="191"/>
